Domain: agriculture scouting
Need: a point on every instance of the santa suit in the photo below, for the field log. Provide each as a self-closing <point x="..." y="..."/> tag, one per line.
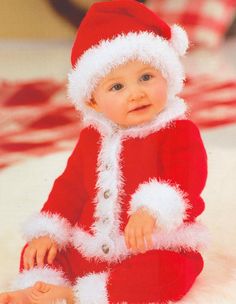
<point x="111" y="173"/>
<point x="160" y="165"/>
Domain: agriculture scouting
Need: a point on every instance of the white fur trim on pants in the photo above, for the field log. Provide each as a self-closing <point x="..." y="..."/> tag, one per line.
<point x="188" y="237"/>
<point x="91" y="289"/>
<point x="47" y="224"/>
<point x="167" y="203"/>
<point x="28" y="278"/>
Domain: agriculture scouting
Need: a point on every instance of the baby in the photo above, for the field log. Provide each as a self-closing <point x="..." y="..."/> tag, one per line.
<point x="119" y="225"/>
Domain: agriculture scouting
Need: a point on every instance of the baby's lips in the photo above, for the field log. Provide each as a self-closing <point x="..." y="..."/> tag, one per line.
<point x="140" y="108"/>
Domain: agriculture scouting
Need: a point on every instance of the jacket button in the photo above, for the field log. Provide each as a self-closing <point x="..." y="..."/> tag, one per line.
<point x="107" y="194"/>
<point x="105" y="248"/>
<point x="105" y="220"/>
<point x="108" y="167"/>
<point x="115" y="130"/>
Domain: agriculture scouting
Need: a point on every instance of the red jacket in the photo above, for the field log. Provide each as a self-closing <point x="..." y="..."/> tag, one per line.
<point x="113" y="172"/>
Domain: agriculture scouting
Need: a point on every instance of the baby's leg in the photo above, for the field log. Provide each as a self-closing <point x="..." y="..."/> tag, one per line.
<point x="157" y="276"/>
<point x="43" y="293"/>
<point x="22" y="296"/>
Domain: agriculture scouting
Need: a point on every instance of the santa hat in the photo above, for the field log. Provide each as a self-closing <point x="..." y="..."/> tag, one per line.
<point x="117" y="31"/>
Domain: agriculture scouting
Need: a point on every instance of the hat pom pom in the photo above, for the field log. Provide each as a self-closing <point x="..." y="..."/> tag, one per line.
<point x="179" y="39"/>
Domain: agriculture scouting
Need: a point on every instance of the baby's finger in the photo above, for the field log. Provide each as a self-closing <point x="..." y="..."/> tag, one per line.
<point x="140" y="241"/>
<point x="148" y="240"/>
<point x="40" y="256"/>
<point x="31" y="257"/>
<point x="26" y="258"/>
<point x="52" y="254"/>
<point x="132" y="241"/>
<point x="126" y="234"/>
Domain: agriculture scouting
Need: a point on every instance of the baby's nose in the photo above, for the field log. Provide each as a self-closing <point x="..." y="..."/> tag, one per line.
<point x="136" y="94"/>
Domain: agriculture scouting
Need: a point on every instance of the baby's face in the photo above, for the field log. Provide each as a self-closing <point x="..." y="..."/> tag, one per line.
<point x="131" y="94"/>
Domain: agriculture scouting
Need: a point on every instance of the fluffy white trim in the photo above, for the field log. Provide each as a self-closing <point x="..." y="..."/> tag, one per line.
<point x="98" y="61"/>
<point x="107" y="209"/>
<point x="189" y="237"/>
<point x="167" y="203"/>
<point x="91" y="289"/>
<point x="107" y="202"/>
<point x="91" y="246"/>
<point x="28" y="278"/>
<point x="192" y="236"/>
<point x="53" y="225"/>
<point x="179" y="39"/>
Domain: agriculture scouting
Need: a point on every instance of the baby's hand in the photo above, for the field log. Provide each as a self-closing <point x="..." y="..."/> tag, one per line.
<point x="37" y="250"/>
<point x="138" y="231"/>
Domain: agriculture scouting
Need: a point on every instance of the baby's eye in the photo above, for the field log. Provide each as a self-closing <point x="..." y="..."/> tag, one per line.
<point x="145" y="77"/>
<point x="116" y="87"/>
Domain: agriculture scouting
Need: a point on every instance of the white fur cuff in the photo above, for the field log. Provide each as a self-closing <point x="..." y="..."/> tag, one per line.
<point x="91" y="289"/>
<point x="52" y="225"/>
<point x="167" y="203"/>
<point x="29" y="277"/>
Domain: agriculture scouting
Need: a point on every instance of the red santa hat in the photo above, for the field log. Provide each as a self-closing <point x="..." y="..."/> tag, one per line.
<point x="115" y="32"/>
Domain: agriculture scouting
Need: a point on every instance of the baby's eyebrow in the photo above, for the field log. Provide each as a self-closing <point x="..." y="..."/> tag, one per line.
<point x="116" y="79"/>
<point x="112" y="80"/>
<point x="147" y="69"/>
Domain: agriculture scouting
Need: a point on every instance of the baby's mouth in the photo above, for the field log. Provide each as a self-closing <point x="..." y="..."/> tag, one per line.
<point x="140" y="108"/>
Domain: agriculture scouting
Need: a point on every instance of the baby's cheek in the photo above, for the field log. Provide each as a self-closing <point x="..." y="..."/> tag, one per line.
<point x="115" y="112"/>
<point x="161" y="90"/>
<point x="160" y="87"/>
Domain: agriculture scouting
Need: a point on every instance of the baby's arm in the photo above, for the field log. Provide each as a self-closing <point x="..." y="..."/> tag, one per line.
<point x="52" y="225"/>
<point x="173" y="196"/>
<point x="138" y="231"/>
<point x="63" y="207"/>
<point x="38" y="250"/>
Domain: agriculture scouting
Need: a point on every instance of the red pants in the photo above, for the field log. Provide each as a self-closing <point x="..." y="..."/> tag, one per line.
<point x="155" y="276"/>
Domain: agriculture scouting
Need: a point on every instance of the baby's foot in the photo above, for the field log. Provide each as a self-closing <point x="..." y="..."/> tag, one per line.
<point x="17" y="297"/>
<point x="41" y="287"/>
<point x="43" y="293"/>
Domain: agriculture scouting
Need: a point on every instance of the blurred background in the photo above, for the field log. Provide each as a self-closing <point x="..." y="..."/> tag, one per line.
<point x="57" y="19"/>
<point x="39" y="127"/>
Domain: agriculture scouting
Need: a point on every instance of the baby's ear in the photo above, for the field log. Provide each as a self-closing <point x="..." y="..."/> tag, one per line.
<point x="91" y="103"/>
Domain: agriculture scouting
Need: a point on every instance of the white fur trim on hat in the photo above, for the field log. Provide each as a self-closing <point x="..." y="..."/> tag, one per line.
<point x="99" y="60"/>
<point x="47" y="224"/>
<point x="91" y="289"/>
<point x="167" y="203"/>
<point x="28" y="278"/>
<point x="179" y="39"/>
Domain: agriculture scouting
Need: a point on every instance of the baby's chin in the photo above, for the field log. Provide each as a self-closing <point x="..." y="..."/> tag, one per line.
<point x="136" y="124"/>
<point x="139" y="122"/>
